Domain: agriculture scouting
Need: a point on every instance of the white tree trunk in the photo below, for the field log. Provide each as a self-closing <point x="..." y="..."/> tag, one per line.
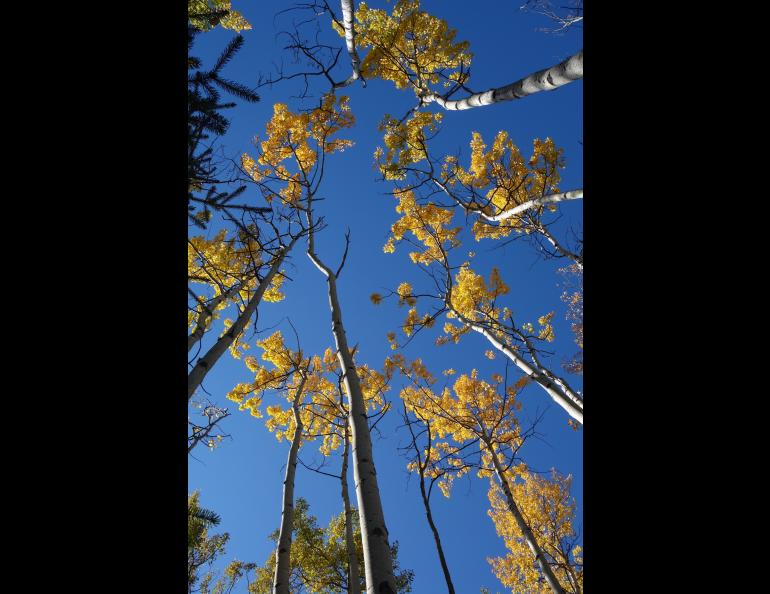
<point x="378" y="565"/>
<point x="543" y="80"/>
<point x="558" y="390"/>
<point x="205" y="363"/>
<point x="202" y="324"/>
<point x="529" y="537"/>
<point x="350" y="39"/>
<point x="283" y="553"/>
<point x="535" y="202"/>
<point x="354" y="581"/>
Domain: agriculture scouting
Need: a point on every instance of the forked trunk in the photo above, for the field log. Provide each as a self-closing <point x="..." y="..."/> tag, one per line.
<point x="378" y="565"/>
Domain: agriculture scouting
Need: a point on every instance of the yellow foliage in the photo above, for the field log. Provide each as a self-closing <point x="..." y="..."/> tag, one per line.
<point x="549" y="510"/>
<point x="429" y="224"/>
<point x="233" y="20"/>
<point x="472" y="410"/>
<point x="505" y="180"/>
<point x="299" y="138"/>
<point x="405" y="143"/>
<point x="408" y="46"/>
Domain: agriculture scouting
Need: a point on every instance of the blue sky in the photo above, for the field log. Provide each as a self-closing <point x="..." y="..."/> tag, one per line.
<point x="241" y="479"/>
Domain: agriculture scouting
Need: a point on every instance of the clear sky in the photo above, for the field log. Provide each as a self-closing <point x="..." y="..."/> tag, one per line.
<point x="241" y="479"/>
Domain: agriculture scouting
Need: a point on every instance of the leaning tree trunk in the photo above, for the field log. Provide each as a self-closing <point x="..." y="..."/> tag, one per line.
<point x="543" y="80"/>
<point x="283" y="553"/>
<point x="555" y="387"/>
<point x="374" y="535"/>
<point x="207" y="312"/>
<point x="354" y="581"/>
<point x="205" y="363"/>
<point x="534" y="203"/>
<point x="526" y="532"/>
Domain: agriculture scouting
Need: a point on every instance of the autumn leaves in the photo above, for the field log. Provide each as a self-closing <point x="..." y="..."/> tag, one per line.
<point x="329" y="398"/>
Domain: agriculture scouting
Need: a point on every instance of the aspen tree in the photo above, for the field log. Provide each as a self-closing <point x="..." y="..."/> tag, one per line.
<point x="421" y="463"/>
<point x="479" y="421"/>
<point x="319" y="557"/>
<point x="305" y="138"/>
<point x="508" y="193"/>
<point x="467" y="298"/>
<point x="414" y="49"/>
<point x="266" y="288"/>
<point x="550" y="510"/>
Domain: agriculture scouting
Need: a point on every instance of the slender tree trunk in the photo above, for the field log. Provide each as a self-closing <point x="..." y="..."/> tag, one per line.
<point x="374" y="534"/>
<point x="543" y="80"/>
<point x="535" y="202"/>
<point x="442" y="559"/>
<point x="354" y="581"/>
<point x="526" y="532"/>
<point x="561" y="393"/>
<point x="205" y="363"/>
<point x="205" y="316"/>
<point x="543" y="230"/>
<point x="283" y="553"/>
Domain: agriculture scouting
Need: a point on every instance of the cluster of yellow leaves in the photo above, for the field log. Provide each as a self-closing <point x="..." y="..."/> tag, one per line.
<point x="223" y="265"/>
<point x="409" y="47"/>
<point x="301" y="137"/>
<point x="473" y="409"/>
<point x="233" y="20"/>
<point x="222" y="262"/>
<point x="284" y="362"/>
<point x="405" y="143"/>
<point x="319" y="406"/>
<point x="429" y="224"/>
<point x="273" y="293"/>
<point x="549" y="511"/>
<point x="501" y="179"/>
<point x="405" y="294"/>
<point x="473" y="298"/>
<point x="546" y="329"/>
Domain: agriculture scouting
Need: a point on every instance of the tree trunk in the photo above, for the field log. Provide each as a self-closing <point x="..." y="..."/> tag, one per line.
<point x="377" y="562"/>
<point x="426" y="503"/>
<point x="535" y="202"/>
<point x="350" y="39"/>
<point x="206" y="314"/>
<point x="526" y="532"/>
<point x="205" y="363"/>
<point x="562" y="394"/>
<point x="283" y="553"/>
<point x="543" y="80"/>
<point x="354" y="581"/>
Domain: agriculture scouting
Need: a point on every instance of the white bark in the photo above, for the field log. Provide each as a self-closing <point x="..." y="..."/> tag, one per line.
<point x="557" y="390"/>
<point x="283" y="552"/>
<point x="534" y="203"/>
<point x="350" y="39"/>
<point x="207" y="310"/>
<point x="354" y="581"/>
<point x="529" y="537"/>
<point x="543" y="80"/>
<point x="378" y="565"/>
<point x="205" y="363"/>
